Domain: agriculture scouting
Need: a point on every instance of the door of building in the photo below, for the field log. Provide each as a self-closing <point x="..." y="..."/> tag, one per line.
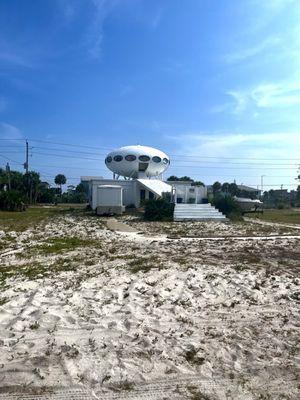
<point x="142" y="194"/>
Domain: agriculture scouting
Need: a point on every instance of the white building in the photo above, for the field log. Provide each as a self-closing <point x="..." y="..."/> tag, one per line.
<point x="137" y="176"/>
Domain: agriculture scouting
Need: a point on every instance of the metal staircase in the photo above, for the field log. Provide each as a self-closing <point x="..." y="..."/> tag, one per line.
<point x="197" y="212"/>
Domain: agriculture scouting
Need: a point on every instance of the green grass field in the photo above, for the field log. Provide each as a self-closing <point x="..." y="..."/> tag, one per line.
<point x="290" y="216"/>
<point x="20" y="221"/>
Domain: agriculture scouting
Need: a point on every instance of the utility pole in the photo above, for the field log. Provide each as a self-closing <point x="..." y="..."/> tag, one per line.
<point x="8" y="175"/>
<point x="262" y="183"/>
<point x="26" y="160"/>
<point x="26" y="167"/>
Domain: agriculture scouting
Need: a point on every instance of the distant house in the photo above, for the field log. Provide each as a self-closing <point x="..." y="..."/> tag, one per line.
<point x="244" y="191"/>
<point x="188" y="192"/>
<point x="71" y="188"/>
<point x="248" y="191"/>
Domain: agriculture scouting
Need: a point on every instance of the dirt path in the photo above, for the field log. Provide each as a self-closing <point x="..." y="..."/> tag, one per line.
<point x="117" y="226"/>
<point x="274" y="224"/>
<point x="186" y="387"/>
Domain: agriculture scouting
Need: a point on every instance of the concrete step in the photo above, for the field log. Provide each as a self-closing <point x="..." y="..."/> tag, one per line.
<point x="197" y="212"/>
<point x="199" y="219"/>
<point x="195" y="207"/>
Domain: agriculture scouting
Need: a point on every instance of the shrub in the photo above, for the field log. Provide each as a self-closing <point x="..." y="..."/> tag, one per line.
<point x="12" y="200"/>
<point x="159" y="210"/>
<point x="227" y="205"/>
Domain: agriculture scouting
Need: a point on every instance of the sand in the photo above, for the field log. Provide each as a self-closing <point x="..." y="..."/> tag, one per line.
<point x="143" y="316"/>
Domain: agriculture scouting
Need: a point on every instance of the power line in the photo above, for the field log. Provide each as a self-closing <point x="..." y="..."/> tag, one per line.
<point x="173" y="155"/>
<point x="189" y="166"/>
<point x="12" y="139"/>
<point x="196" y="157"/>
<point x="9" y="159"/>
<point x="247" y="184"/>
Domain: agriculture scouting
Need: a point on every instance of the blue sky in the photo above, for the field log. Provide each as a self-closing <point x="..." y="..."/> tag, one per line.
<point x="214" y="83"/>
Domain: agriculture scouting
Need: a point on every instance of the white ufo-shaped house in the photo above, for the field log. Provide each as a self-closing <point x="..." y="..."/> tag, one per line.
<point x="137" y="162"/>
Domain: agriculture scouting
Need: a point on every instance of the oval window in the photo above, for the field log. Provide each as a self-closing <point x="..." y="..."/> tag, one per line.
<point x="108" y="159"/>
<point x="130" y="157"/>
<point x="144" y="158"/>
<point x="118" y="158"/>
<point x="156" y="159"/>
<point x="166" y="161"/>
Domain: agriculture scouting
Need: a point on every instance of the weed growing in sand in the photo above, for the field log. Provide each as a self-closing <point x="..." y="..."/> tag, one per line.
<point x="34" y="326"/>
<point x="122" y="257"/>
<point x="192" y="357"/>
<point x="180" y="260"/>
<point x="70" y="351"/>
<point x="195" y="394"/>
<point x="35" y="270"/>
<point x="3" y="301"/>
<point x="125" y="385"/>
<point x="144" y="265"/>
<point x="6" y="241"/>
<point x="57" y="245"/>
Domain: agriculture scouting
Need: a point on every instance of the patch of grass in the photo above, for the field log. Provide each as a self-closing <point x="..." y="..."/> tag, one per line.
<point x="70" y="351"/>
<point x="58" y="245"/>
<point x="248" y="257"/>
<point x="180" y="260"/>
<point x="3" y="301"/>
<point x="34" y="326"/>
<point x="36" y="270"/>
<point x="6" y="241"/>
<point x="289" y="216"/>
<point x="34" y="215"/>
<point x="193" y="358"/>
<point x="144" y="265"/>
<point x="126" y="385"/>
<point x="195" y="394"/>
<point x="122" y="257"/>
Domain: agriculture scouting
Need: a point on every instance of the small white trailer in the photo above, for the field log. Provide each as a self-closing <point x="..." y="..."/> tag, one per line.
<point x="109" y="200"/>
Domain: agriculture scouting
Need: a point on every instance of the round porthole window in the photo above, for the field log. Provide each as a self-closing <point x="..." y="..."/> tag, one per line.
<point x="156" y="159"/>
<point x="108" y="159"/>
<point x="118" y="158"/>
<point x="130" y="157"/>
<point x="144" y="158"/>
<point x="165" y="161"/>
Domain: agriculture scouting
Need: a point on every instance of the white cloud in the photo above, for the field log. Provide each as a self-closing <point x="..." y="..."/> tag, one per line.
<point x="8" y="131"/>
<point x="266" y="96"/>
<point x="94" y="37"/>
<point x="246" y="53"/>
<point x="266" y="145"/>
<point x="245" y="156"/>
<point x="277" y="95"/>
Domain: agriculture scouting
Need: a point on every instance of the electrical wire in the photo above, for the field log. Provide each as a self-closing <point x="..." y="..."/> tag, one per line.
<point x="172" y="155"/>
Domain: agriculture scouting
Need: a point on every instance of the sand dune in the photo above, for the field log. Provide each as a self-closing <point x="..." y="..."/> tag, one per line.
<point x="125" y="316"/>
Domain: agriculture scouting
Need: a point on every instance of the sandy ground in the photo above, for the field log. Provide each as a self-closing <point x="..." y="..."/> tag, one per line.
<point x="130" y="315"/>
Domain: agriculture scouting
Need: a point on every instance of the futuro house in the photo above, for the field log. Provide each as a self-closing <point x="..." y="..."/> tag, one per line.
<point x="137" y="162"/>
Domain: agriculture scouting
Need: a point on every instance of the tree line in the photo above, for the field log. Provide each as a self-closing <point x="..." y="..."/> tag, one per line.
<point x="18" y="190"/>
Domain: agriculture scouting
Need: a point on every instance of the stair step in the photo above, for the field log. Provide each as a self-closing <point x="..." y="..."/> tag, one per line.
<point x="202" y="213"/>
<point x="199" y="212"/>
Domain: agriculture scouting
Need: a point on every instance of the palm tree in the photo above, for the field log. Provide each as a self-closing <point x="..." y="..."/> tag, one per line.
<point x="60" y="180"/>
